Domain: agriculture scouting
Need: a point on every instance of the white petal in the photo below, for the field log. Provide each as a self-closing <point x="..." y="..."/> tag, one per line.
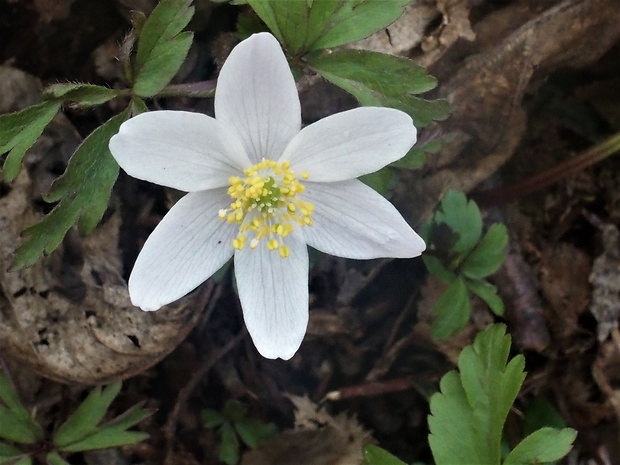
<point x="256" y="94"/>
<point x="274" y="297"/>
<point x="187" y="247"/>
<point x="351" y="220"/>
<point x="186" y="151"/>
<point x="352" y="143"/>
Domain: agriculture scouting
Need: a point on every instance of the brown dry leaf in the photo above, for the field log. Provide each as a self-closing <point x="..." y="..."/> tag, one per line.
<point x="318" y="439"/>
<point x="564" y="273"/>
<point x="486" y="89"/>
<point x="69" y="316"/>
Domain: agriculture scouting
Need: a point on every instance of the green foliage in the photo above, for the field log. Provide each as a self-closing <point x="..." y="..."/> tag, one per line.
<point x="20" y="130"/>
<point x="82" y="192"/>
<point x="468" y="415"/>
<point x="80" y="95"/>
<point x="83" y="431"/>
<point x="377" y="79"/>
<point x="234" y="426"/>
<point x="304" y="26"/>
<point x="162" y="46"/>
<point x="16" y="423"/>
<point x="374" y="455"/>
<point x="460" y="255"/>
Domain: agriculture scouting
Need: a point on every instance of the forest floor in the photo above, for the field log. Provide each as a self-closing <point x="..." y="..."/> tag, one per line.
<point x="532" y="84"/>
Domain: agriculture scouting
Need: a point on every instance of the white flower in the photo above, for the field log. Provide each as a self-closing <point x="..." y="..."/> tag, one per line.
<point x="262" y="189"/>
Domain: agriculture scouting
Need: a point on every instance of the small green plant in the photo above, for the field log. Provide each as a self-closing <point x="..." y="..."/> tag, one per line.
<point x="467" y="416"/>
<point x="460" y="255"/>
<point x="233" y="425"/>
<point x="23" y="439"/>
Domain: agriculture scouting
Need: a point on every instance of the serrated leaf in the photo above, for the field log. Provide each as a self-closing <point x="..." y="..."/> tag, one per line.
<point x="83" y="191"/>
<point x="488" y="293"/>
<point x="253" y="432"/>
<point x="304" y="26"/>
<point x="228" y="452"/>
<point x="463" y="217"/>
<point x="105" y="439"/>
<point x="9" y="397"/>
<point x="81" y="95"/>
<point x="468" y="415"/>
<point x="53" y="458"/>
<point x="377" y="79"/>
<point x="374" y="455"/>
<point x="451" y="311"/>
<point x="20" y="130"/>
<point x="416" y="157"/>
<point x="452" y="436"/>
<point x="491" y="386"/>
<point x="211" y="418"/>
<point x="162" y="47"/>
<point x="17" y="429"/>
<point x="543" y="445"/>
<point x="84" y="420"/>
<point x="488" y="255"/>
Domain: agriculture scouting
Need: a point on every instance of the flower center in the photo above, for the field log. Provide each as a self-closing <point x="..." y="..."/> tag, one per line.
<point x="266" y="205"/>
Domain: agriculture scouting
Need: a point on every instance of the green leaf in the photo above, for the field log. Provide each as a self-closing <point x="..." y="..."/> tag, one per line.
<point x="87" y="416"/>
<point x="14" y="427"/>
<point x="543" y="445"/>
<point x="228" y="452"/>
<point x="463" y="217"/>
<point x="382" y="181"/>
<point x="211" y="418"/>
<point x="82" y="95"/>
<point x="377" y="79"/>
<point x="129" y="418"/>
<point x="105" y="439"/>
<point x="26" y="460"/>
<point x="374" y="455"/>
<point x="451" y="311"/>
<point x="162" y="47"/>
<point x="416" y="157"/>
<point x="436" y="268"/>
<point x="9" y="397"/>
<point x="20" y="130"/>
<point x="309" y="25"/>
<point x="468" y="415"/>
<point x="8" y="452"/>
<point x="253" y="432"/>
<point x="488" y="255"/>
<point x="234" y="410"/>
<point x="53" y="458"/>
<point x="83" y="191"/>
<point x="488" y="293"/>
<point x="540" y="413"/>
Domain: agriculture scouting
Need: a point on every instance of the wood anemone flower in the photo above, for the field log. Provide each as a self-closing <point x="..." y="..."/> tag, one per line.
<point x="262" y="189"/>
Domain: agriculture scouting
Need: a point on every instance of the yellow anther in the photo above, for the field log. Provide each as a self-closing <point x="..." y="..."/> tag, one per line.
<point x="284" y="251"/>
<point x="266" y="204"/>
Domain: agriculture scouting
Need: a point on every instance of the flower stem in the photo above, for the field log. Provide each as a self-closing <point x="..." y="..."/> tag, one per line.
<point x="202" y="89"/>
<point x="548" y="177"/>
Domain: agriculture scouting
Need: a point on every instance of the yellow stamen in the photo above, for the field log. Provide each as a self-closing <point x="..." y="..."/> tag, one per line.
<point x="266" y="205"/>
